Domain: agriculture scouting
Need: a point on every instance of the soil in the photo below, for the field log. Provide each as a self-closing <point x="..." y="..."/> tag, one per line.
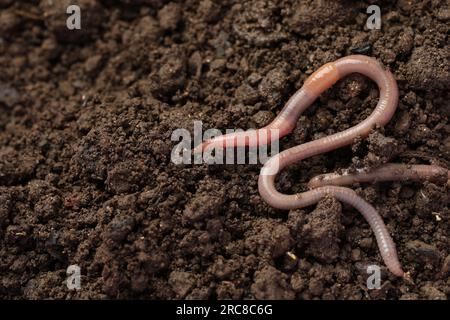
<point x="86" y="118"/>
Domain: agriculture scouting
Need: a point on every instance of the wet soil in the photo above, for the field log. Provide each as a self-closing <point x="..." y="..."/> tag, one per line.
<point x="86" y="118"/>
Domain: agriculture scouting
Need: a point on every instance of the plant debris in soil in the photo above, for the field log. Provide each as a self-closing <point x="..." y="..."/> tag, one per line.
<point x="86" y="118"/>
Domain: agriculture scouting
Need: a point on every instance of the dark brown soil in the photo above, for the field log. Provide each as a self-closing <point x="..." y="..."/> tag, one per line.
<point x="85" y="173"/>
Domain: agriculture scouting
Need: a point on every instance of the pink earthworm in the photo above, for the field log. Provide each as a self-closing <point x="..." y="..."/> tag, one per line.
<point x="285" y="122"/>
<point x="386" y="172"/>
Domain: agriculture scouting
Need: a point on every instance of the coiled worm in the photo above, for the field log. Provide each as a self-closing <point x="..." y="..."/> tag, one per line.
<point x="325" y="185"/>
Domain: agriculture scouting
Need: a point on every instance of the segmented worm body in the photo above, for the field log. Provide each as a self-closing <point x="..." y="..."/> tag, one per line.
<point x="325" y="185"/>
<point x="387" y="172"/>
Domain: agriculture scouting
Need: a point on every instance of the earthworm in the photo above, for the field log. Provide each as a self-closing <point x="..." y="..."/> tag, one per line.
<point x="387" y="172"/>
<point x="285" y="122"/>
